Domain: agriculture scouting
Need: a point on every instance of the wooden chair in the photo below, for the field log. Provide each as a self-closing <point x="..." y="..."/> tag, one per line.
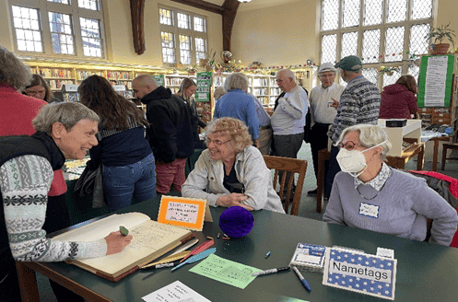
<point x="294" y="166"/>
<point x="445" y="147"/>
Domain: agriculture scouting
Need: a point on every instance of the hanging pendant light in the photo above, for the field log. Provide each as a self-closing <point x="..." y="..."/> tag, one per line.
<point x="244" y="1"/>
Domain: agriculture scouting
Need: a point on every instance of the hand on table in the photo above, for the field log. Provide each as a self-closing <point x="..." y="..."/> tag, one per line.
<point x="117" y="242"/>
<point x="233" y="199"/>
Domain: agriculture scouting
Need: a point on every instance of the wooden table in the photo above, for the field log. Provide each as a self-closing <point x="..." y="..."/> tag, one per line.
<point x="399" y="162"/>
<point x="426" y="272"/>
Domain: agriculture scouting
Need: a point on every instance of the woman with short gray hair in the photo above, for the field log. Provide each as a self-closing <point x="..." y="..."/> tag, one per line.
<point x="368" y="194"/>
<point x="238" y="104"/>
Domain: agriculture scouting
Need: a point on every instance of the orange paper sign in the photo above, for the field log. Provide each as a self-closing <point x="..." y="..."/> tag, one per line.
<point x="184" y="212"/>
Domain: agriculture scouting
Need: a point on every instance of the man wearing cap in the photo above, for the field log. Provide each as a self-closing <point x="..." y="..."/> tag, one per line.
<point x="324" y="100"/>
<point x="359" y="104"/>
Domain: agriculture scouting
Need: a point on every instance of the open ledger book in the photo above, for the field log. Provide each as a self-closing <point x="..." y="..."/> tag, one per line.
<point x="150" y="241"/>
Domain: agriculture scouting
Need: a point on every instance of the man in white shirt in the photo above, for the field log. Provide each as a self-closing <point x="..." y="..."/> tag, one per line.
<point x="288" y="119"/>
<point x="323" y="108"/>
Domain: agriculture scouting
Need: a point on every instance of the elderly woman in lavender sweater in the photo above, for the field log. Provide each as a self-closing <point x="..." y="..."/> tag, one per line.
<point x="368" y="194"/>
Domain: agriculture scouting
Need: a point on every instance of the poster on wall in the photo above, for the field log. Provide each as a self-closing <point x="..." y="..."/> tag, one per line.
<point x="159" y="79"/>
<point x="204" y="84"/>
<point x="435" y="81"/>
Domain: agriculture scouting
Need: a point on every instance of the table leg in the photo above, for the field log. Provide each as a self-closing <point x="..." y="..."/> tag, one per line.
<point x="435" y="154"/>
<point x="27" y="283"/>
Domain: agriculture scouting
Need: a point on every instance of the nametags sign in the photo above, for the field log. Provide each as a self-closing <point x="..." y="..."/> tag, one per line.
<point x="362" y="273"/>
<point x="184" y="212"/>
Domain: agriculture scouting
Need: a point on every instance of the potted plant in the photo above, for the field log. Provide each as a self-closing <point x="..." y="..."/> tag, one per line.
<point x="436" y="35"/>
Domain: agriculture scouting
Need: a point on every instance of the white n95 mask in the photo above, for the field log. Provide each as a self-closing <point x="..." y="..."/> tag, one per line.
<point x="353" y="161"/>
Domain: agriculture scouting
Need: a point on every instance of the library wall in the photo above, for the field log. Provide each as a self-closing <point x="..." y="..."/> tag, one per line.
<point x="279" y="35"/>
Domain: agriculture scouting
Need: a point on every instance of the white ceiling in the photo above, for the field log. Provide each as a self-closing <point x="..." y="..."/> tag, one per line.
<point x="254" y="4"/>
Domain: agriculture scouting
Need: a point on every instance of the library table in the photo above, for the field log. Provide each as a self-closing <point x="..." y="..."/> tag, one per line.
<point x="425" y="272"/>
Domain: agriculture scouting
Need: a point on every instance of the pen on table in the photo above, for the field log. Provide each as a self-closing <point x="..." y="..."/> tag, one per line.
<point x="271" y="271"/>
<point x="302" y="279"/>
<point x="267" y="254"/>
<point x="186" y="246"/>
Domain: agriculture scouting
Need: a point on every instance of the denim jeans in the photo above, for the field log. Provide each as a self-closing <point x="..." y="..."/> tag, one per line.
<point x="120" y="183"/>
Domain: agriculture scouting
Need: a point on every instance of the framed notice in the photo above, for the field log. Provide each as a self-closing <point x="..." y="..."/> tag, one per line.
<point x="204" y="84"/>
<point x="435" y="81"/>
<point x="359" y="272"/>
<point x="184" y="212"/>
<point x="159" y="79"/>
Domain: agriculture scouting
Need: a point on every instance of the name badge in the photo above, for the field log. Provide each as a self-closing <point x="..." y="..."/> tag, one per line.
<point x="369" y="210"/>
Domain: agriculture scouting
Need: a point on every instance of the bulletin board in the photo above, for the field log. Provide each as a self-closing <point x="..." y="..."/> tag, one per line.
<point x="435" y="81"/>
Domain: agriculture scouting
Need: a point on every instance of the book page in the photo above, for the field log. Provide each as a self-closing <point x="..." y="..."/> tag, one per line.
<point x="149" y="238"/>
<point x="101" y="228"/>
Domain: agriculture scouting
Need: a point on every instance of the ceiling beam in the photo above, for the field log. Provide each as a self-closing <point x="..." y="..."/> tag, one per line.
<point x="202" y="5"/>
<point x="230" y="12"/>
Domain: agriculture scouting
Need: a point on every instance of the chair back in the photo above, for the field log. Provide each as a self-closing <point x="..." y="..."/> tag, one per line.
<point x="292" y="165"/>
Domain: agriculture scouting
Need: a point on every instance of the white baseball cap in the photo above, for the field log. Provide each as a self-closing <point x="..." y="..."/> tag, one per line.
<point x="327" y="67"/>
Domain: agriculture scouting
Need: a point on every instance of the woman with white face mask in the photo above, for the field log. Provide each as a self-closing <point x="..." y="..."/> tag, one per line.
<point x="368" y="194"/>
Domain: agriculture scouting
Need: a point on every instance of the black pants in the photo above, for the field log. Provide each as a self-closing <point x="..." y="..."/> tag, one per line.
<point x="319" y="140"/>
<point x="334" y="168"/>
<point x="288" y="146"/>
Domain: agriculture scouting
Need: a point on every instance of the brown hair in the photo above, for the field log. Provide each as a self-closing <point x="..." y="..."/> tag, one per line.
<point x="114" y="110"/>
<point x="38" y="80"/>
<point x="408" y="82"/>
<point x="235" y="128"/>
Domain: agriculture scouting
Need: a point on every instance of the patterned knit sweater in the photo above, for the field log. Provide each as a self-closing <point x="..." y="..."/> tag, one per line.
<point x="24" y="184"/>
<point x="400" y="208"/>
<point x="359" y="104"/>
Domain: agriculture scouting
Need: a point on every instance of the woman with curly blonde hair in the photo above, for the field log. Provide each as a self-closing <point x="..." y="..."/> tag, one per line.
<point x="232" y="172"/>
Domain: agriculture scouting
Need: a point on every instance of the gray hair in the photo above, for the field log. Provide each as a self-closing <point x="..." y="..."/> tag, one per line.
<point x="235" y="129"/>
<point x="13" y="71"/>
<point x="236" y="81"/>
<point x="288" y="73"/>
<point x="69" y="114"/>
<point x="369" y="136"/>
<point x="219" y="92"/>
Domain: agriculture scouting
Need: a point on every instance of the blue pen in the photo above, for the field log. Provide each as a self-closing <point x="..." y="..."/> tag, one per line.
<point x="303" y="281"/>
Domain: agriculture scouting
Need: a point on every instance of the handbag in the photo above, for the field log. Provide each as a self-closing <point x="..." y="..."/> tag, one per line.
<point x="90" y="182"/>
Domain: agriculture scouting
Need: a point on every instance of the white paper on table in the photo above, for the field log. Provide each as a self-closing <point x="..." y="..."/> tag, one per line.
<point x="175" y="292"/>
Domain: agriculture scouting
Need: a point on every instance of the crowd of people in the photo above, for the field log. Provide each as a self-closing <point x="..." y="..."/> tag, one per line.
<point x="144" y="155"/>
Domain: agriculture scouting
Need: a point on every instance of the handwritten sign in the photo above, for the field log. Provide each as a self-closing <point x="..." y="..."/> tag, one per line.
<point x="226" y="271"/>
<point x="204" y="84"/>
<point x="184" y="212"/>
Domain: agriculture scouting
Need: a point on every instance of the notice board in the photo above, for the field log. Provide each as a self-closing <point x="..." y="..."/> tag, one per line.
<point x="435" y="81"/>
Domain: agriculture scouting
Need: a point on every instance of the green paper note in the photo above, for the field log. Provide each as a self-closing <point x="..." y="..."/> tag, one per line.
<point x="225" y="271"/>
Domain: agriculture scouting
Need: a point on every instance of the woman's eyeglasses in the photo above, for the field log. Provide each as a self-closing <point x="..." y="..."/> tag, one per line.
<point x="348" y="145"/>
<point x="217" y="142"/>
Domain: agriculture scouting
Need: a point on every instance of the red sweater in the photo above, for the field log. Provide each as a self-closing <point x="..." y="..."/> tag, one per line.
<point x="397" y="102"/>
<point x="16" y="115"/>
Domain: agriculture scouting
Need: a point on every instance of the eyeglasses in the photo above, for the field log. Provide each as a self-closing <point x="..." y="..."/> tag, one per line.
<point x="217" y="142"/>
<point x="35" y="92"/>
<point x="348" y="145"/>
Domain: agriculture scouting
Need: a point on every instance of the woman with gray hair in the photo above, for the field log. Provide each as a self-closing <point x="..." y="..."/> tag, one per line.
<point x="238" y="104"/>
<point x="64" y="131"/>
<point x="231" y="172"/>
<point x="368" y="194"/>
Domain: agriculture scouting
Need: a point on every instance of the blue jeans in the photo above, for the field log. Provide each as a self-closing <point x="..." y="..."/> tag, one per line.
<point x="120" y="183"/>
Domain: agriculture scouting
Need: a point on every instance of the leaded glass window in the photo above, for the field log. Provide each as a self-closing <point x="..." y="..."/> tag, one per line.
<point x="185" y="49"/>
<point x="201" y="49"/>
<point x="27" y="28"/>
<point x="90" y="32"/>
<point x="89" y="4"/>
<point x="168" y="47"/>
<point x="61" y="33"/>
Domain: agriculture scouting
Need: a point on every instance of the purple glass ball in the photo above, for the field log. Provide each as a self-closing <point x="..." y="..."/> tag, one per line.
<point x="236" y="222"/>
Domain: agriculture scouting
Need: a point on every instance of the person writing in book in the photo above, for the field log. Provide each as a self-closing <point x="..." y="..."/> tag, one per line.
<point x="232" y="172"/>
<point x="368" y="194"/>
<point x="64" y="131"/>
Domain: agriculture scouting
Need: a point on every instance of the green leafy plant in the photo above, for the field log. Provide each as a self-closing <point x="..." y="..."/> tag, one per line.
<point x="437" y="34"/>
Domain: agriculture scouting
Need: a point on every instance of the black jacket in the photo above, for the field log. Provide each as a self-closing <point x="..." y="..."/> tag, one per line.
<point x="170" y="134"/>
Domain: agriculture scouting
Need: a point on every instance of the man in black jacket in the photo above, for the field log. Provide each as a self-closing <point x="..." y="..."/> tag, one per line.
<point x="170" y="134"/>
